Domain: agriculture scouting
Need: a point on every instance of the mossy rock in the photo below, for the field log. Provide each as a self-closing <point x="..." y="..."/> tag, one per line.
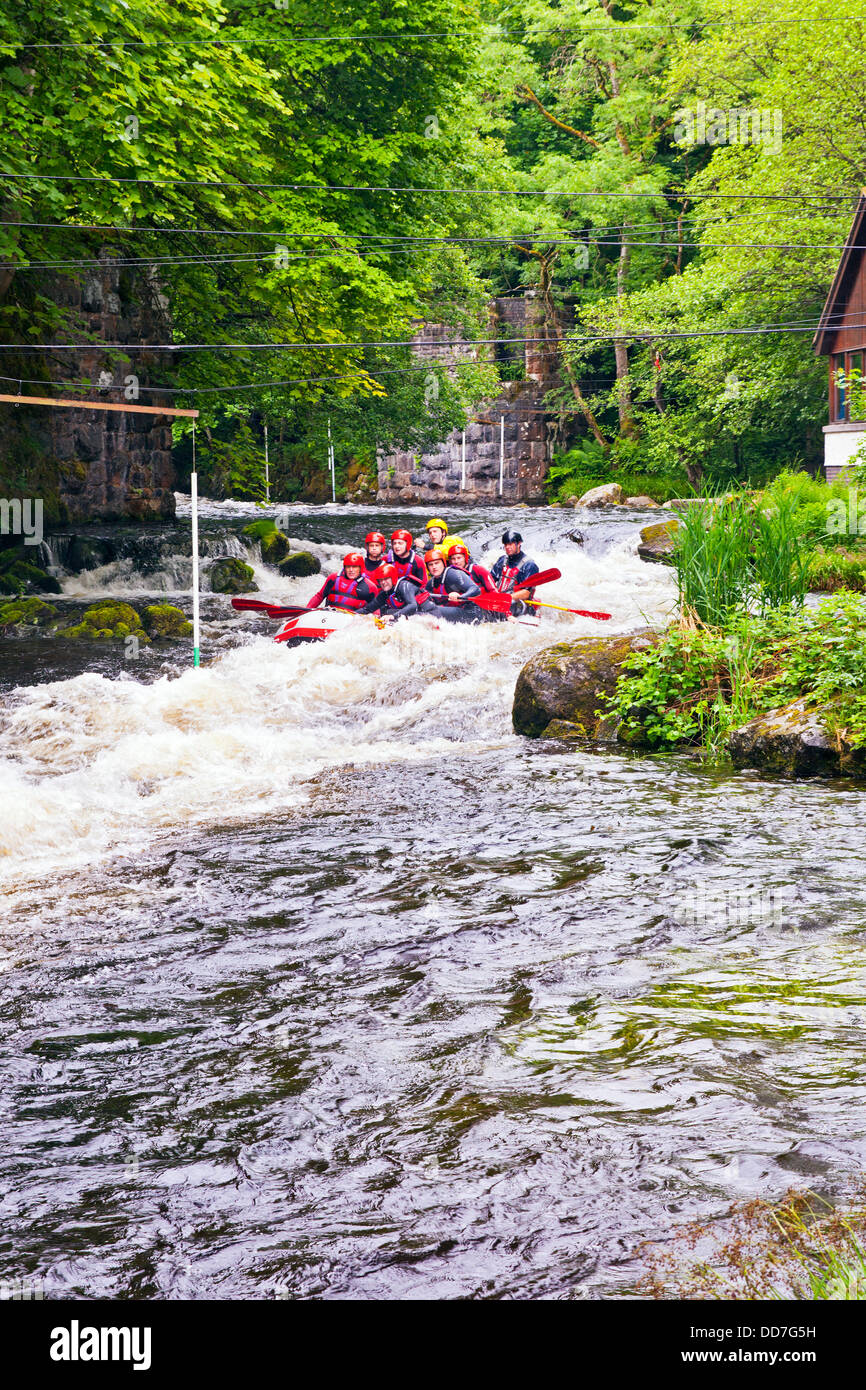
<point x="258" y="530"/>
<point x="106" y="622"/>
<point x="19" y="575"/>
<point x="275" y="548"/>
<point x="164" y="622"/>
<point x="298" y="564"/>
<point x="27" y="612"/>
<point x="568" y="683"/>
<point x="657" y="542"/>
<point x="231" y="576"/>
<point x="798" y="740"/>
<point x="86" y="553"/>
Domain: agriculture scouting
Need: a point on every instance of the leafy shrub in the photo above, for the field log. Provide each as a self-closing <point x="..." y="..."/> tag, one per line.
<point x="700" y="682"/>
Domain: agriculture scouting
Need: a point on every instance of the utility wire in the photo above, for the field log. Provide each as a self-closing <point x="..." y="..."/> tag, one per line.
<point x="406" y="188"/>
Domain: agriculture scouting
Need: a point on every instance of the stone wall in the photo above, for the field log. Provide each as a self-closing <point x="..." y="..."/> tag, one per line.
<point x="92" y="464"/>
<point x="439" y="476"/>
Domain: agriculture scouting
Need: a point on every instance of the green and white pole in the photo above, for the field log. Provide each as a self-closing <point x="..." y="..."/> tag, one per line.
<point x="196" y="625"/>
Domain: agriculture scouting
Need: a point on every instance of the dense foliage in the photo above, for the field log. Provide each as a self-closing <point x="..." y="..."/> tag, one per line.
<point x="673" y="186"/>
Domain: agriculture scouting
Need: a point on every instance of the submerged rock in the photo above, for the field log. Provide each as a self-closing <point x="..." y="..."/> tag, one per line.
<point x="796" y="741"/>
<point x="657" y="542"/>
<point x="608" y="495"/>
<point x="231" y="576"/>
<point x="298" y="564"/>
<point x="163" y="622"/>
<point x="566" y="685"/>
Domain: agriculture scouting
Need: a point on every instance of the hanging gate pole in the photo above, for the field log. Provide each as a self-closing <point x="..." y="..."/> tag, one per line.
<point x="501" y="451"/>
<point x="196" y="625"/>
<point x="333" y="465"/>
<point x="463" y="464"/>
<point x="267" y="470"/>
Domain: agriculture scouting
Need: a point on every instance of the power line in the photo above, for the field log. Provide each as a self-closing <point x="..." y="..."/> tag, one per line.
<point x="648" y="335"/>
<point x="406" y="188"/>
<point x="614" y="27"/>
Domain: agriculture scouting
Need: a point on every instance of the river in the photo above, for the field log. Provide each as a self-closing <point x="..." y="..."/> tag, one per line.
<point x="318" y="982"/>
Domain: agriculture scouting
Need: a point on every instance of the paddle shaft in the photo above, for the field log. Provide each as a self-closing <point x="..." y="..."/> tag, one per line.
<point x="582" y="612"/>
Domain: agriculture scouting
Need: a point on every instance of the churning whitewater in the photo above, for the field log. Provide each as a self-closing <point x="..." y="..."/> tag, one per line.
<point x="97" y="765"/>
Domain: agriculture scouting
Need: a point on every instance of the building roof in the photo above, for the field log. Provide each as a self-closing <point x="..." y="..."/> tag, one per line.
<point x="833" y="313"/>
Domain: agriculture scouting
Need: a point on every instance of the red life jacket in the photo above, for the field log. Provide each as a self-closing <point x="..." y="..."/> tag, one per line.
<point x="412" y="565"/>
<point x="505" y="583"/>
<point x="482" y="578"/>
<point x="344" y="593"/>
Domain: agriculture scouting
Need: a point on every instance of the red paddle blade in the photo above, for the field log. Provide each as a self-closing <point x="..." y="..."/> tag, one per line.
<point x="273" y="610"/>
<point x="585" y="613"/>
<point x="545" y="577"/>
<point x="493" y="603"/>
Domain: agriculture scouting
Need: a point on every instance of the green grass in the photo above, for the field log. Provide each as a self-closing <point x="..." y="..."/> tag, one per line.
<point x="799" y="1248"/>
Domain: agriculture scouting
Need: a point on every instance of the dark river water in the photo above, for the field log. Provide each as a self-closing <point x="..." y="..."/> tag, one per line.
<point x="319" y="982"/>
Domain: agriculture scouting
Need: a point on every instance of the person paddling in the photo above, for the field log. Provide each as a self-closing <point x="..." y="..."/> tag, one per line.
<point x="349" y="590"/>
<point x="513" y="569"/>
<point x="375" y="545"/>
<point x="407" y="561"/>
<point x="459" y="557"/>
<point x="447" y="584"/>
<point x="437" y="530"/>
<point x="397" y="596"/>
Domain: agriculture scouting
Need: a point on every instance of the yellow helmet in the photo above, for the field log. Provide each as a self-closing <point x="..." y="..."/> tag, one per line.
<point x="437" y="521"/>
<point x="452" y="540"/>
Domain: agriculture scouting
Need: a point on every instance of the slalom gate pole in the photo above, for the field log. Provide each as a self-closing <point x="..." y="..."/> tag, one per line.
<point x="501" y="452"/>
<point x="196" y="625"/>
<point x="463" y="464"/>
<point x="333" y="465"/>
<point x="267" y="471"/>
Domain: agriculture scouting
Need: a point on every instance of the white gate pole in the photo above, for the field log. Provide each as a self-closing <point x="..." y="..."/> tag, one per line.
<point x="196" y="626"/>
<point x="463" y="464"/>
<point x="333" y="465"/>
<point x="501" y="451"/>
<point x="267" y="470"/>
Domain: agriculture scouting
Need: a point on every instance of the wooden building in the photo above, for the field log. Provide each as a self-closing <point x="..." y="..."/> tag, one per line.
<point x="841" y="337"/>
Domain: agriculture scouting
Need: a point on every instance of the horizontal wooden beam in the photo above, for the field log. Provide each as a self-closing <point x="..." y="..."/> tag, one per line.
<point x="98" y="405"/>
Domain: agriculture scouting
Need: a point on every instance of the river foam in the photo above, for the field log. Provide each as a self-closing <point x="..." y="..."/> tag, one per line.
<point x="93" y="766"/>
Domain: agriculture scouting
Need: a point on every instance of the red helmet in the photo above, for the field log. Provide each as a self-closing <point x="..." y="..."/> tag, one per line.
<point x="402" y="536"/>
<point x="435" y="554"/>
<point x="458" y="550"/>
<point x="388" y="572"/>
<point x="373" y="537"/>
<point x="354" y="557"/>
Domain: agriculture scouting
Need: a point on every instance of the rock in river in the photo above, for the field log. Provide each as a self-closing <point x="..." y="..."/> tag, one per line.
<point x="566" y="684"/>
<point x="608" y="495"/>
<point x="657" y="541"/>
<point x="796" y="741"/>
<point x="232" y="576"/>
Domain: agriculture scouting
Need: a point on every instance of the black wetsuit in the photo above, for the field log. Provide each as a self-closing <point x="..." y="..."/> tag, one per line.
<point x="402" y="601"/>
<point x="456" y="581"/>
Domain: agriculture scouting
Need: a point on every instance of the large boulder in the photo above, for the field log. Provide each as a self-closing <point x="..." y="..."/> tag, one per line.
<point x="23" y="615"/>
<point x="608" y="495"/>
<point x="796" y="741"/>
<point x="231" y="576"/>
<point x="566" y="685"/>
<point x="657" y="542"/>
